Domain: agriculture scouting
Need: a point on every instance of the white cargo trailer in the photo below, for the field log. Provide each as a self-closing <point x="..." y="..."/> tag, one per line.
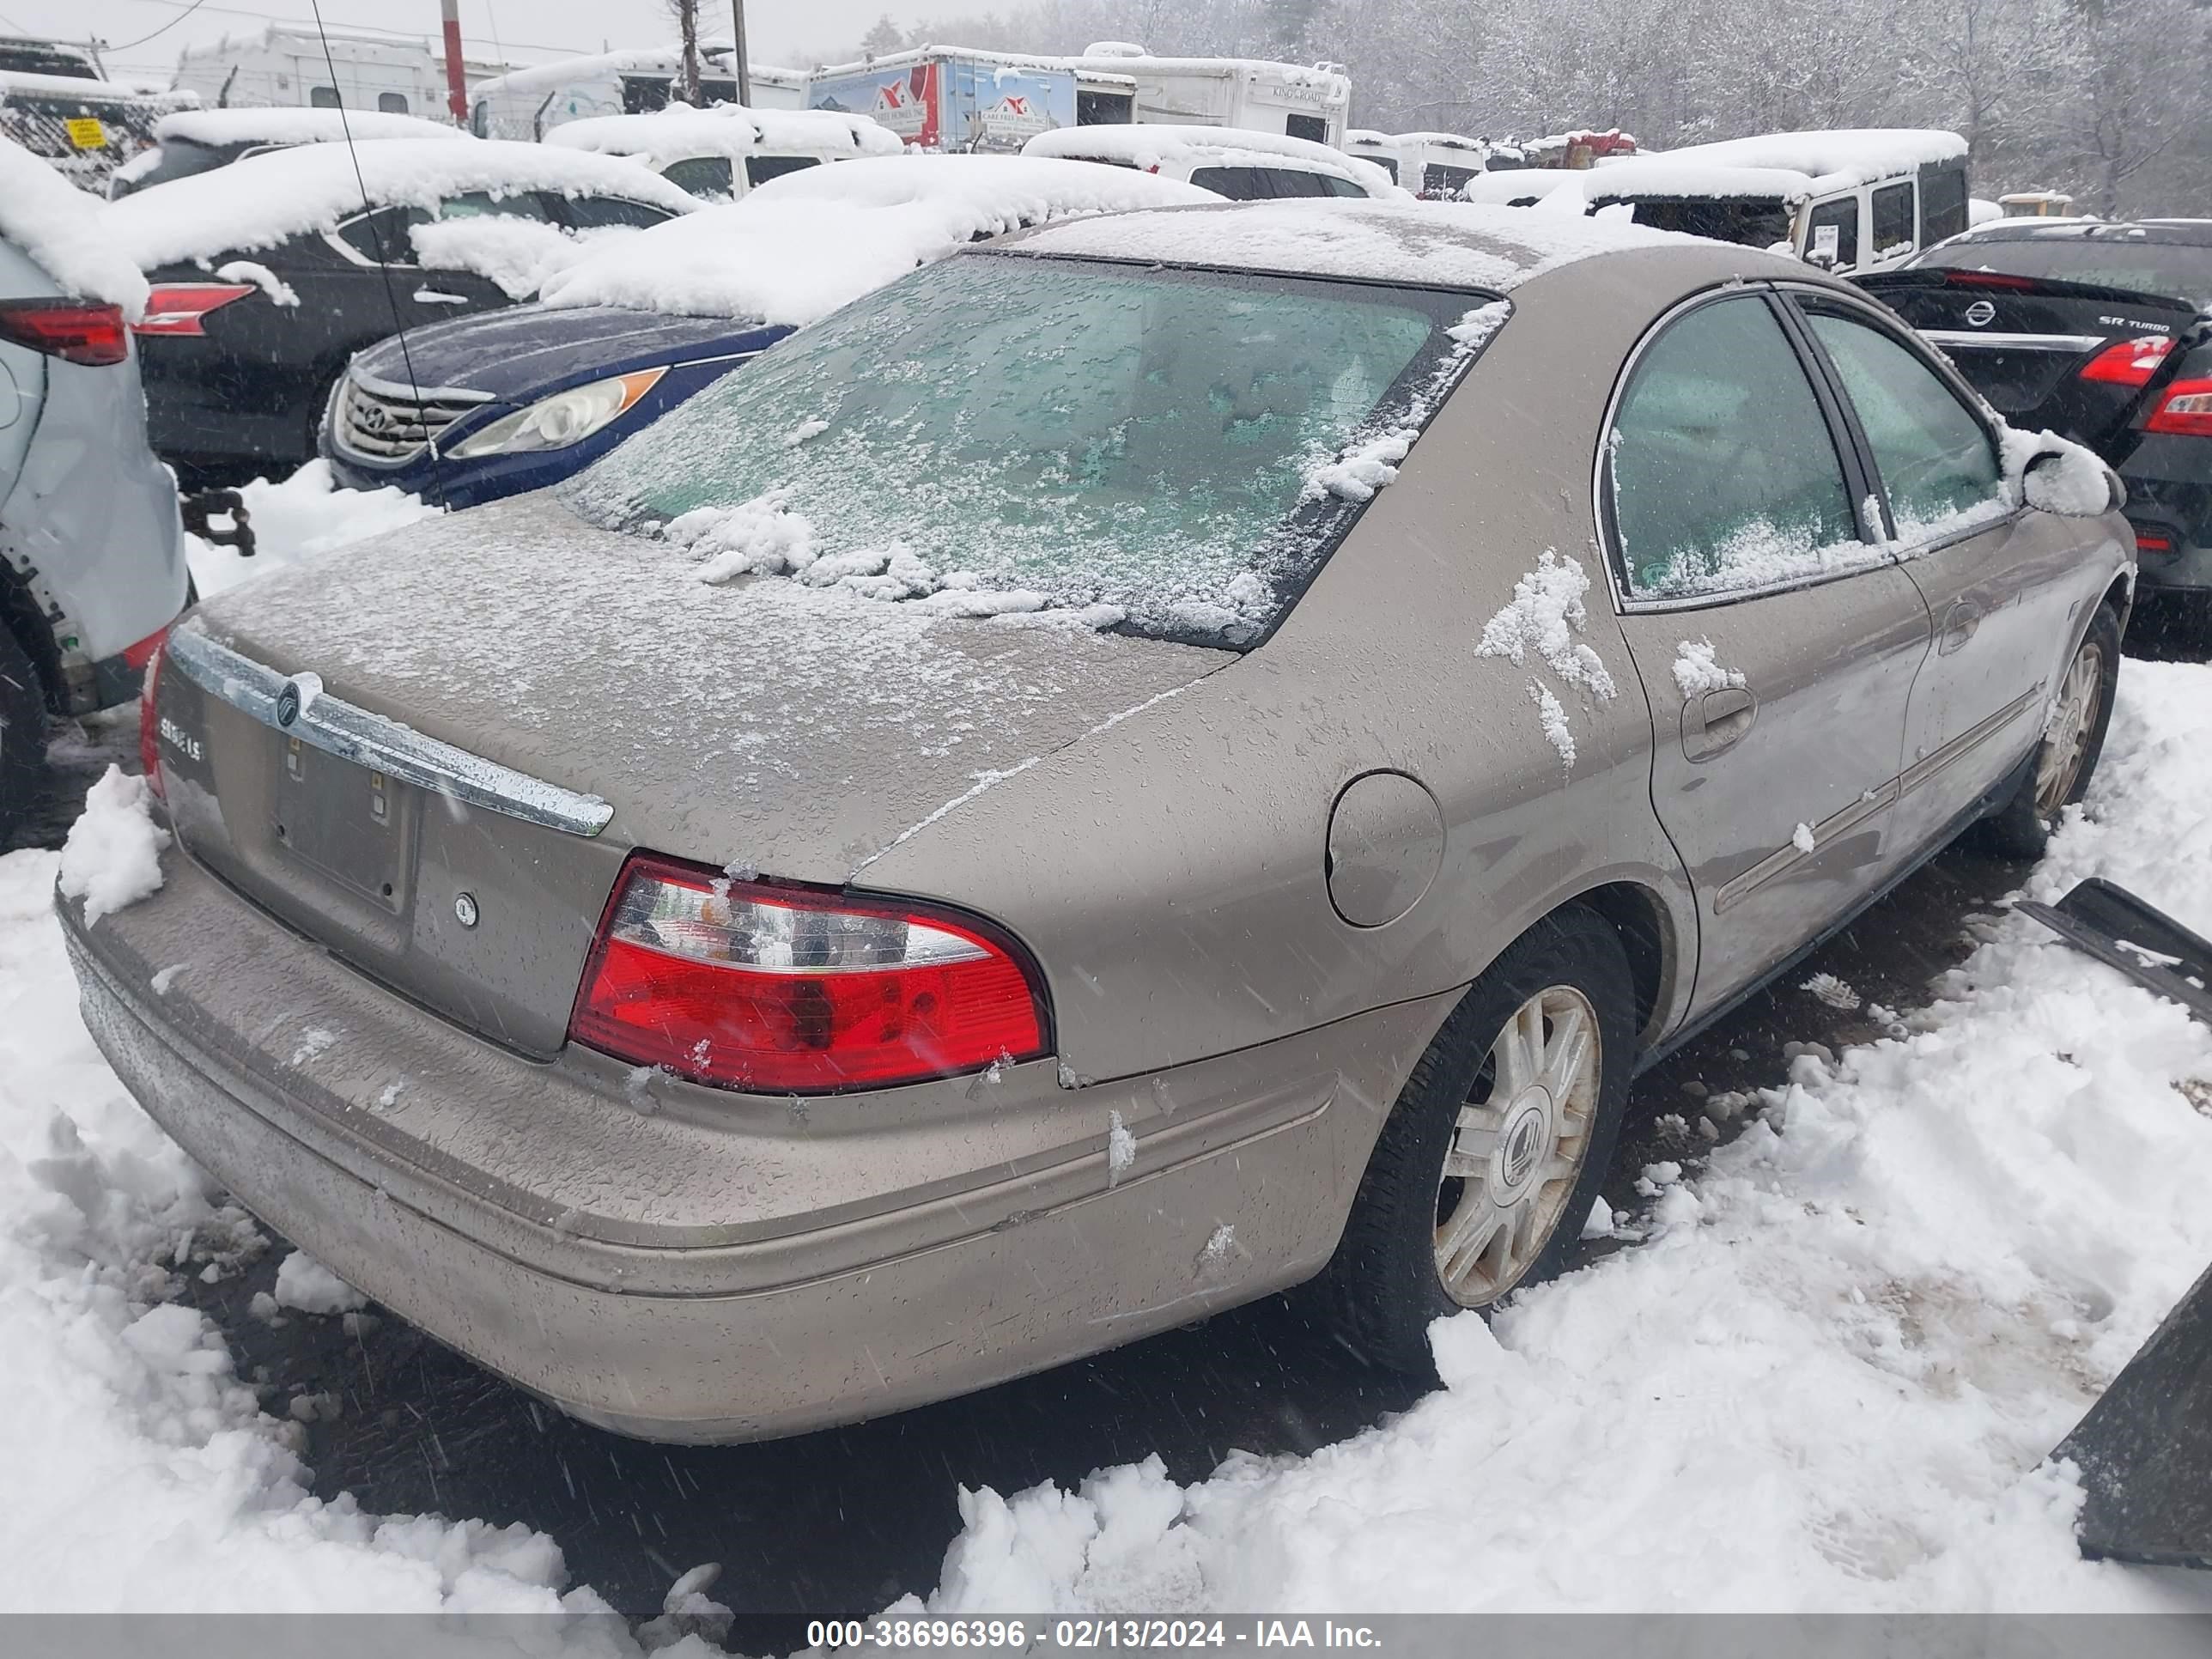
<point x="285" y="66"/>
<point x="527" y="103"/>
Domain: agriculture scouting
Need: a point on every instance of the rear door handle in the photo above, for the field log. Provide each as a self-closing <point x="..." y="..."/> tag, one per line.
<point x="1960" y="622"/>
<point x="1716" y="721"/>
<point x="433" y="296"/>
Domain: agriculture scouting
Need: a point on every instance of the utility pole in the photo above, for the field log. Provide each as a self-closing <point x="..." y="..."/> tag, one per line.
<point x="456" y="84"/>
<point x="743" y="65"/>
<point x="687" y="19"/>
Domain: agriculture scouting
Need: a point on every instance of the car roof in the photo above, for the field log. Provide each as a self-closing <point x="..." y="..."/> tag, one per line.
<point x="1153" y="145"/>
<point x="1414" y="244"/>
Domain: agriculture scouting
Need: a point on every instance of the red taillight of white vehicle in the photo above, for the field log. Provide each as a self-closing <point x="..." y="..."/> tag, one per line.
<point x="183" y="307"/>
<point x="2184" y="410"/>
<point x="149" y="721"/>
<point x="68" y="329"/>
<point x="2128" y="362"/>
<point x="780" y="989"/>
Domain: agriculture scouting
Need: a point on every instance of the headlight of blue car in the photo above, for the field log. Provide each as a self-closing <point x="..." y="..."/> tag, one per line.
<point x="565" y="418"/>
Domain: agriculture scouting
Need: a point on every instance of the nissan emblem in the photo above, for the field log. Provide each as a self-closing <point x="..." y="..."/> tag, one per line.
<point x="1981" y="313"/>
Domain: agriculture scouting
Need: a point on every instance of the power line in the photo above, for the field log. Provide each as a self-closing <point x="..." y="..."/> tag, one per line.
<point x="165" y="28"/>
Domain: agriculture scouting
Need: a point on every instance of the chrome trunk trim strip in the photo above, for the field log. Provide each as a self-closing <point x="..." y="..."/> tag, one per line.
<point x="298" y="707"/>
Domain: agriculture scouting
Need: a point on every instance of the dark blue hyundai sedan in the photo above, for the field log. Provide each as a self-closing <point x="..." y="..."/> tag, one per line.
<point x="476" y="408"/>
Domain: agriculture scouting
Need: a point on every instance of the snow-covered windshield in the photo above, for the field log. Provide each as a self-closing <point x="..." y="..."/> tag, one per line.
<point x="1170" y="452"/>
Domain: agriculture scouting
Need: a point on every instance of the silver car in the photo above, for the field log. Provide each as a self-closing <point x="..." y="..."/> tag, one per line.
<point x="92" y="557"/>
<point x="1127" y="770"/>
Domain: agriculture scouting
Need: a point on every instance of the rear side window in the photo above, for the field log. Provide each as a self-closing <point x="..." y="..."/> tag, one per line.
<point x="1238" y="184"/>
<point x="1936" y="459"/>
<point x="1942" y="202"/>
<point x="1724" y="474"/>
<point x="1892" y="219"/>
<point x="1843" y="215"/>
<point x="593" y="212"/>
<point x="759" y="169"/>
<point x="1333" y="185"/>
<point x="702" y="175"/>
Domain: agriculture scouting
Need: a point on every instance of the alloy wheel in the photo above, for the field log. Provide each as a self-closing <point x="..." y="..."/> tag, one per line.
<point x="2073" y="717"/>
<point x="1519" y="1147"/>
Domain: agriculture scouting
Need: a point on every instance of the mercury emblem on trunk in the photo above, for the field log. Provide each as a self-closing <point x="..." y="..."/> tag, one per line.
<point x="287" y="704"/>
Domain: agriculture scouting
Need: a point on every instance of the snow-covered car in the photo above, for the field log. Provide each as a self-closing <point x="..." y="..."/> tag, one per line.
<point x="1434" y="166"/>
<point x="522" y="397"/>
<point x="92" y="560"/>
<point x="1081" y="790"/>
<point x="719" y="153"/>
<point x="1244" y="166"/>
<point x="1850" y="200"/>
<point x="269" y="273"/>
<point x="200" y="140"/>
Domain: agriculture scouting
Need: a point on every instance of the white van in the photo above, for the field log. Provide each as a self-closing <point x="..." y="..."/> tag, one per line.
<point x="719" y="154"/>
<point x="1852" y="200"/>
<point x="1244" y="166"/>
<point x="528" y="103"/>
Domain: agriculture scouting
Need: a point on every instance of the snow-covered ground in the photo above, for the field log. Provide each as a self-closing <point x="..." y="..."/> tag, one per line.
<point x="1824" y="1380"/>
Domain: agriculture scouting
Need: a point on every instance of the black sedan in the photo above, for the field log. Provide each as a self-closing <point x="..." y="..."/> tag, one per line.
<point x="270" y="273"/>
<point x="2100" y="332"/>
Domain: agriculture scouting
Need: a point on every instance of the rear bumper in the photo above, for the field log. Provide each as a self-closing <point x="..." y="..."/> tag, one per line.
<point x="687" y="1300"/>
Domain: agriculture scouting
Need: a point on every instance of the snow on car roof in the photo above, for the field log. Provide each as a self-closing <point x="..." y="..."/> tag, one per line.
<point x="678" y="132"/>
<point x="64" y="232"/>
<point x="1845" y="154"/>
<point x="77" y="89"/>
<point x="271" y="125"/>
<point x="799" y="246"/>
<point x="261" y="200"/>
<point x="1147" y="146"/>
<point x="1444" y="244"/>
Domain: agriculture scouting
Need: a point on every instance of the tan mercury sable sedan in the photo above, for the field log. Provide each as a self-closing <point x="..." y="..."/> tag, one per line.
<point x="1127" y="770"/>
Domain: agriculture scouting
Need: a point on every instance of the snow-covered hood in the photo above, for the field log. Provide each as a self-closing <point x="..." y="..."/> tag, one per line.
<point x="526" y="351"/>
<point x="262" y="200"/>
<point x="803" y="729"/>
<point x="65" y="232"/>
<point x="799" y="246"/>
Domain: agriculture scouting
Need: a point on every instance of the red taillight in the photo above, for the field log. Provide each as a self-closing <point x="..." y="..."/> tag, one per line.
<point x="2128" y="362"/>
<point x="2185" y="410"/>
<point x="68" y="329"/>
<point x="183" y="307"/>
<point x="149" y="721"/>
<point x="2153" y="541"/>
<point x="780" y="989"/>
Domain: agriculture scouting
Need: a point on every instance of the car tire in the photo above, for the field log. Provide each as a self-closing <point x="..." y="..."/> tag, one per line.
<point x="2067" y="758"/>
<point x="1419" y="1212"/>
<point x="23" y="731"/>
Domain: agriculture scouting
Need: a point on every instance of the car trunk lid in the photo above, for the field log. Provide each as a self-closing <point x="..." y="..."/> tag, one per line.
<point x="2045" y="352"/>
<point x="433" y="756"/>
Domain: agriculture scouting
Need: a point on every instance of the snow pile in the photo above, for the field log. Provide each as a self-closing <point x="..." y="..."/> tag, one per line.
<point x="1153" y="148"/>
<point x="142" y="1473"/>
<point x="1826" y="1381"/>
<point x="799" y="246"/>
<point x="304" y="1283"/>
<point x="2074" y="482"/>
<point x="303" y="517"/>
<point x="1544" y="615"/>
<point x="762" y="538"/>
<point x="520" y="255"/>
<point x="293" y="126"/>
<point x="64" y="232"/>
<point x="280" y="292"/>
<point x="1696" y="671"/>
<point x="265" y="199"/>
<point x="1447" y="244"/>
<point x="678" y="132"/>
<point x="1364" y="468"/>
<point x="113" y="854"/>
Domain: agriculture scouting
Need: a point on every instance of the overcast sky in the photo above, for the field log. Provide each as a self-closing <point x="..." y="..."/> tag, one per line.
<point x="790" y="32"/>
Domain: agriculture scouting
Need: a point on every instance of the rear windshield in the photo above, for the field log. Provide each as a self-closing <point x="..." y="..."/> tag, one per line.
<point x="2147" y="267"/>
<point x="1172" y="452"/>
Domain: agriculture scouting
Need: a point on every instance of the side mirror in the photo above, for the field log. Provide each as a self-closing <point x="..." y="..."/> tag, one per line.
<point x="2064" y="478"/>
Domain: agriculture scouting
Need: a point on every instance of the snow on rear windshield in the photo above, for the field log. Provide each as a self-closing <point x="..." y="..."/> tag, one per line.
<point x="1172" y="451"/>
